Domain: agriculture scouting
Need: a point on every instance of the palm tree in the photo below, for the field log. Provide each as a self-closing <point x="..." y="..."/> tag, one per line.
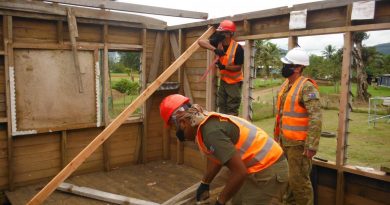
<point x="358" y="64"/>
<point x="329" y="51"/>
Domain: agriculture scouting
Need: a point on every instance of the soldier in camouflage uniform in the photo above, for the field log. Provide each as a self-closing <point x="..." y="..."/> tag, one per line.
<point x="298" y="125"/>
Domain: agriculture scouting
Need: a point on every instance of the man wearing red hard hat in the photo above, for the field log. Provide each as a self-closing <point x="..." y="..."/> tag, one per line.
<point x="231" y="58"/>
<point x="258" y="167"/>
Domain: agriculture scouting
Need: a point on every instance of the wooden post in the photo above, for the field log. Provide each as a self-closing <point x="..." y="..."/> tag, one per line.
<point x="73" y="34"/>
<point x="343" y="116"/>
<point x="8" y="64"/>
<point x="179" y="152"/>
<point x="247" y="84"/>
<point x="211" y="84"/>
<point x="106" y="92"/>
<point x="166" y="142"/>
<point x="292" y="42"/>
<point x="64" y="139"/>
<point x="106" y="133"/>
<point x="144" y="130"/>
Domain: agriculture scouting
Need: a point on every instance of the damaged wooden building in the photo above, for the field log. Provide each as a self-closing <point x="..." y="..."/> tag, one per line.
<point x="55" y="93"/>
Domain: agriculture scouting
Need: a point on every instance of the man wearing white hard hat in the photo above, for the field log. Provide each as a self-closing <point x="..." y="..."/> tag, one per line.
<point x="298" y="124"/>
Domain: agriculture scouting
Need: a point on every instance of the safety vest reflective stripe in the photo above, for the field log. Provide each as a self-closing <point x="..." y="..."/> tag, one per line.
<point x="294" y="97"/>
<point x="295" y="128"/>
<point x="230" y="75"/>
<point x="232" y="52"/>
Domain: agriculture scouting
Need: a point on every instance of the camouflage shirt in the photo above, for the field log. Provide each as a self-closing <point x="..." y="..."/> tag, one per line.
<point x="310" y="99"/>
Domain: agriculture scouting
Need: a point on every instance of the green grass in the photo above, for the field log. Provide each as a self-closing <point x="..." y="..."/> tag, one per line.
<point x="374" y="91"/>
<point x="368" y="145"/>
<point x="266" y="83"/>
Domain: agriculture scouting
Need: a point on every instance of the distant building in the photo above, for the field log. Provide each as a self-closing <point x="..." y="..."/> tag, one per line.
<point x="384" y="80"/>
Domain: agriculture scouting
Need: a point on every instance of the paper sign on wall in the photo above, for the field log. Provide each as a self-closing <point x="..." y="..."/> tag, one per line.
<point x="298" y="19"/>
<point x="363" y="10"/>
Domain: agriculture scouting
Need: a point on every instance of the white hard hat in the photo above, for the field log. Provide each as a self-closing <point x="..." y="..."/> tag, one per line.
<point x="296" y="56"/>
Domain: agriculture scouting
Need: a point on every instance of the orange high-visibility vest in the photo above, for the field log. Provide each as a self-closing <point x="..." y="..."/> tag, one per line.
<point x="228" y="76"/>
<point x="295" y="119"/>
<point x="257" y="150"/>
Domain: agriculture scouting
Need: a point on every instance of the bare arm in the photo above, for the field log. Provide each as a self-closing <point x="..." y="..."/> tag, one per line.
<point x="211" y="171"/>
<point x="236" y="179"/>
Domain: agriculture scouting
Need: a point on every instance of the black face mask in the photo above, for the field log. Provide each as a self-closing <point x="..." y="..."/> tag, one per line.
<point x="287" y="70"/>
<point x="180" y="134"/>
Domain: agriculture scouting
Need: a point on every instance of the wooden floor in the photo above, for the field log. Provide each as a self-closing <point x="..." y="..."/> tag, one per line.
<point x="156" y="181"/>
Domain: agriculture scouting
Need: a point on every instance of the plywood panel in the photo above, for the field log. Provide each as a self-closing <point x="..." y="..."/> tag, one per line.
<point x="47" y="90"/>
<point x="34" y="30"/>
<point x="124" y="35"/>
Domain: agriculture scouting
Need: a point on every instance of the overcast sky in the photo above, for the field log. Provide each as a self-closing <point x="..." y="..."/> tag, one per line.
<point x="219" y="8"/>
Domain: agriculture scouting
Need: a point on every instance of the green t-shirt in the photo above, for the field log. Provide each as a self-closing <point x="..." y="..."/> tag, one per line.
<point x="220" y="136"/>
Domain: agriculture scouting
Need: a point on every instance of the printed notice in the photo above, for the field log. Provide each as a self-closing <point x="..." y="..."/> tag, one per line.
<point x="298" y="19"/>
<point x="363" y="10"/>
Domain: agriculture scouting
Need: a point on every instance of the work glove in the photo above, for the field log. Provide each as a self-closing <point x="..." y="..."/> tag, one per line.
<point x="220" y="66"/>
<point x="202" y="193"/>
<point x="219" y="52"/>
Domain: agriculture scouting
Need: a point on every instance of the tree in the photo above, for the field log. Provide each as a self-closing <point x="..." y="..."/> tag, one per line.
<point x="358" y="64"/>
<point x="267" y="55"/>
<point x="329" y="51"/>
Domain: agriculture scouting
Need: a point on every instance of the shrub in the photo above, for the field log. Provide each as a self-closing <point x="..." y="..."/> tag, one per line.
<point x="127" y="86"/>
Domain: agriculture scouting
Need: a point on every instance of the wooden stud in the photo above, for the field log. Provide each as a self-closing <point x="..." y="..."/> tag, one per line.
<point x="143" y="140"/>
<point x="106" y="94"/>
<point x="136" y="8"/>
<point x="9" y="62"/>
<point x="64" y="139"/>
<point x="73" y="34"/>
<point x="343" y="116"/>
<point x="247" y="27"/>
<point x="292" y="42"/>
<point x="155" y="64"/>
<point x="247" y="83"/>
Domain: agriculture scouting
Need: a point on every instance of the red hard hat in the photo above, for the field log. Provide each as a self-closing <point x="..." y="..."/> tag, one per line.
<point x="170" y="104"/>
<point x="227" y="25"/>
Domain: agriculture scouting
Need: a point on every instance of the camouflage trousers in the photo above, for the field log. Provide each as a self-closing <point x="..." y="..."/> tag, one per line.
<point x="229" y="98"/>
<point x="300" y="191"/>
<point x="267" y="186"/>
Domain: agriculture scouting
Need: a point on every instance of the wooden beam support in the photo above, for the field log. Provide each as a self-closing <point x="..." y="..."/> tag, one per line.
<point x="247" y="83"/>
<point x="9" y="65"/>
<point x="101" y="195"/>
<point x="310" y="32"/>
<point x="211" y="83"/>
<point x="64" y="140"/>
<point x="292" y="42"/>
<point x="343" y="116"/>
<point x="73" y="34"/>
<point x="106" y="95"/>
<point x="45" y="8"/>
<point x="144" y="133"/>
<point x="166" y="142"/>
<point x="135" y="8"/>
<point x="106" y="133"/>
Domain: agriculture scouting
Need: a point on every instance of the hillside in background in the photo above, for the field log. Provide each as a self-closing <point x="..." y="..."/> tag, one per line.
<point x="383" y="48"/>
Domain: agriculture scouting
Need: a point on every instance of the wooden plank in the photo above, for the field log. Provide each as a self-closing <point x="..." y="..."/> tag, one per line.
<point x="154" y="67"/>
<point x="141" y="155"/>
<point x="73" y="34"/>
<point x="9" y="62"/>
<point x="63" y="148"/>
<point x="86" y="152"/>
<point x="60" y="31"/>
<point x="343" y="116"/>
<point x="292" y="42"/>
<point x="366" y="27"/>
<point x="101" y="195"/>
<point x="106" y="94"/>
<point x="136" y="8"/>
<point x="247" y="83"/>
<point x="39" y="7"/>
